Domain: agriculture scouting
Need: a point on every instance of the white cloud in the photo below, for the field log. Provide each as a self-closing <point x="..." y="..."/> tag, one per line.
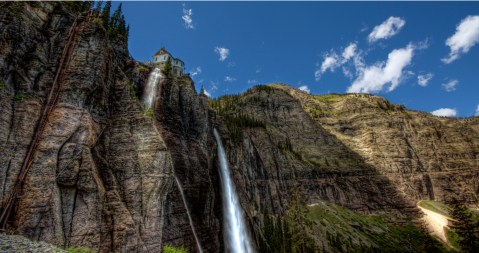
<point x="222" y="52"/>
<point x="195" y="71"/>
<point x="450" y="85"/>
<point x="445" y="112"/>
<point x="477" y="111"/>
<point x="229" y="79"/>
<point x="187" y="18"/>
<point x="304" y="88"/>
<point x="387" y="29"/>
<point x="349" y="52"/>
<point x="207" y="93"/>
<point x="252" y="81"/>
<point x="466" y="36"/>
<point x="423" y="80"/>
<point x="374" y="78"/>
<point x="330" y="62"/>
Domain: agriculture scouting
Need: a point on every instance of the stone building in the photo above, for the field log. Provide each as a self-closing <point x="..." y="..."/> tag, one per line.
<point x="163" y="55"/>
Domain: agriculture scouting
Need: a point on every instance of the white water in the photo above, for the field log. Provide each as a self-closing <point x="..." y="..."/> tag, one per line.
<point x="236" y="236"/>
<point x="189" y="215"/>
<point x="149" y="94"/>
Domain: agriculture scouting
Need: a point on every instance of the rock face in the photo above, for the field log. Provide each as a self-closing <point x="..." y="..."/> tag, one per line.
<point x="103" y="173"/>
<point x="356" y="150"/>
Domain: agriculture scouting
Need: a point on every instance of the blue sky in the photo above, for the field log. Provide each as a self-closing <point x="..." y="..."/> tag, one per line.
<point x="423" y="55"/>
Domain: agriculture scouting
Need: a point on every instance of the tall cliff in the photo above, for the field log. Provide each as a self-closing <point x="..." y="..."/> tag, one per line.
<point x="356" y="150"/>
<point x="102" y="175"/>
<point x="103" y="171"/>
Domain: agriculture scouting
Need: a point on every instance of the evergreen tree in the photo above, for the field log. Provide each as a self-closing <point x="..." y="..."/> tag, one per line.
<point x="98" y="7"/>
<point x="105" y="14"/>
<point x="465" y="227"/>
<point x="115" y="20"/>
<point x="299" y="224"/>
<point x="167" y="69"/>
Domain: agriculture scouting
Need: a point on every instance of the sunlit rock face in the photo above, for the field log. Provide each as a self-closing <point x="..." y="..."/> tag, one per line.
<point x="103" y="172"/>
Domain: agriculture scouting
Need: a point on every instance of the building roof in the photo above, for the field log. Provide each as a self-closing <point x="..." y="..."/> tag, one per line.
<point x="162" y="51"/>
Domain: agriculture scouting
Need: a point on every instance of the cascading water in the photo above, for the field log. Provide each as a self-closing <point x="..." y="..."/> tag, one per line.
<point x="236" y="236"/>
<point x="150" y="88"/>
<point x="189" y="215"/>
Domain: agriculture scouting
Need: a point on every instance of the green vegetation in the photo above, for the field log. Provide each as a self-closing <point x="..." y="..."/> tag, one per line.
<point x="290" y="233"/>
<point x="167" y="69"/>
<point x="20" y="97"/>
<point x="465" y="225"/>
<point x="15" y="6"/>
<point x="228" y="107"/>
<point x="333" y="97"/>
<point x="171" y="249"/>
<point x="435" y="206"/>
<point x="235" y="124"/>
<point x="286" y="146"/>
<point x="143" y="69"/>
<point x="343" y="230"/>
<point x="147" y="112"/>
<point x="133" y="91"/>
<point x="80" y="250"/>
<point x="2" y="85"/>
<point x="260" y="88"/>
<point x="78" y="6"/>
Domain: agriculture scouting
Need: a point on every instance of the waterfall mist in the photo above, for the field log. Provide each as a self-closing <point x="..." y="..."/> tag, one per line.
<point x="235" y="232"/>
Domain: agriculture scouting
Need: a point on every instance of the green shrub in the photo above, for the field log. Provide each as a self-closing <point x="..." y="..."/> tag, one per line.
<point x="80" y="250"/>
<point x="171" y="249"/>
<point x="97" y="21"/>
<point x="147" y="112"/>
<point x="142" y="68"/>
<point x="2" y="85"/>
<point x="20" y="97"/>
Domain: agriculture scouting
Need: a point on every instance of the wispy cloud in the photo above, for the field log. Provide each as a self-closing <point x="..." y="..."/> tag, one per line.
<point x="445" y="112"/>
<point x="222" y="52"/>
<point x="304" y="88"/>
<point x="477" y="111"/>
<point x="424" y="79"/>
<point x="207" y="93"/>
<point x="387" y="29"/>
<point x="229" y="79"/>
<point x="450" y="85"/>
<point x="252" y="81"/>
<point x="349" y="52"/>
<point x="187" y="17"/>
<point x="466" y="36"/>
<point x="332" y="61"/>
<point x="195" y="71"/>
<point x="376" y="77"/>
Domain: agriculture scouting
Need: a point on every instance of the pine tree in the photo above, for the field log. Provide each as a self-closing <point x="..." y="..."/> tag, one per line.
<point x="105" y="14"/>
<point x="115" y="20"/>
<point x="465" y="227"/>
<point x="298" y="224"/>
<point x="167" y="69"/>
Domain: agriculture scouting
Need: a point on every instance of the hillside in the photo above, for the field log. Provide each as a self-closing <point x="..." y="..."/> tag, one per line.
<point x="90" y="166"/>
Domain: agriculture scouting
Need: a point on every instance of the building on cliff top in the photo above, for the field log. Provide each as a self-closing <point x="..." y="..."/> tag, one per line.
<point x="162" y="56"/>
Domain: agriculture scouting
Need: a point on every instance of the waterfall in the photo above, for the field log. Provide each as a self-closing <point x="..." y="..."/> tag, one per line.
<point x="236" y="236"/>
<point x="200" y="250"/>
<point x="150" y="88"/>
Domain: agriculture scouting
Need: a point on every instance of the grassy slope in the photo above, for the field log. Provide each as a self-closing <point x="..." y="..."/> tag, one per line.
<point x="338" y="229"/>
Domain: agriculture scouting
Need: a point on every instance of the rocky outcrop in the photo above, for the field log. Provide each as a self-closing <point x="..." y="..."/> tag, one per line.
<point x="103" y="173"/>
<point x="356" y="150"/>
